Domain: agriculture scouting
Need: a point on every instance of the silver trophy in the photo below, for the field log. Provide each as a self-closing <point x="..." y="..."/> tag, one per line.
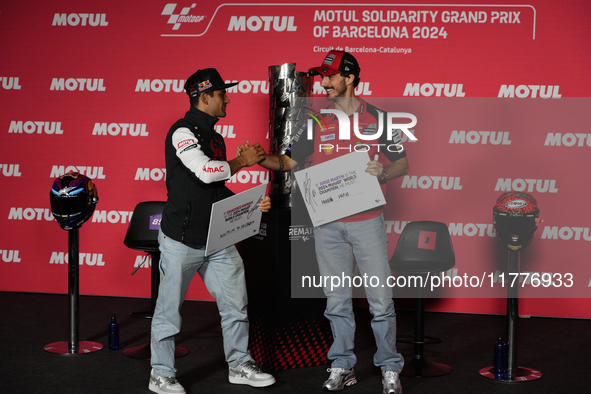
<point x="290" y="94"/>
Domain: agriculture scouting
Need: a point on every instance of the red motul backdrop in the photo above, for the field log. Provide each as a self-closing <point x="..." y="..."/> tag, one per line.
<point x="499" y="93"/>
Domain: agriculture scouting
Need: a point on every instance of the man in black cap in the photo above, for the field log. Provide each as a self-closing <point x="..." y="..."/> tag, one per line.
<point x="196" y="172"/>
<point x="362" y="235"/>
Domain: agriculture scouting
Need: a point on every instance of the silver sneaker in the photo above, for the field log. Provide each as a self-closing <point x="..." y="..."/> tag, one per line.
<point x="339" y="378"/>
<point x="165" y="385"/>
<point x="249" y="373"/>
<point x="391" y="383"/>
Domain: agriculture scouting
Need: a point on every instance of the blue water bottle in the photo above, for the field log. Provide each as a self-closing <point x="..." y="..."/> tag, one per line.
<point x="113" y="333"/>
<point x="500" y="362"/>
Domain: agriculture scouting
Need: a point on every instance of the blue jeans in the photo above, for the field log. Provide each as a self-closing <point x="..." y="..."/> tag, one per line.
<point x="337" y="243"/>
<point x="223" y="275"/>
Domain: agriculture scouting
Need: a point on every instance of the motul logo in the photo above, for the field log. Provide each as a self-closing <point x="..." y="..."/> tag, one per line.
<point x="437" y="89"/>
<point x="30" y="214"/>
<point x="38" y="127"/>
<point x="431" y="182"/>
<point x="111" y="217"/>
<point x="533" y="91"/>
<point x="253" y="177"/>
<point x="91" y="172"/>
<point x="529" y="185"/>
<point x="159" y="85"/>
<point x="226" y="131"/>
<point x="568" y="139"/>
<point x="9" y="83"/>
<point x="10" y="170"/>
<point x="80" y="19"/>
<point x="80" y="84"/>
<point x="256" y="23"/>
<point x="10" y="256"/>
<point x="185" y="142"/>
<point x="482" y="137"/>
<point x="153" y="174"/>
<point x="91" y="259"/>
<point x="472" y="229"/>
<point x="567" y="233"/>
<point x="122" y="129"/>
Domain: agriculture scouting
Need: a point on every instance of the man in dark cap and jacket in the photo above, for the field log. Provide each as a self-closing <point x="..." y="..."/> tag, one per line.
<point x="196" y="172"/>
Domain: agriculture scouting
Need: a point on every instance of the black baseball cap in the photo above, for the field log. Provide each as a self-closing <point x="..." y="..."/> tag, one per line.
<point x="206" y="80"/>
<point x="336" y="62"/>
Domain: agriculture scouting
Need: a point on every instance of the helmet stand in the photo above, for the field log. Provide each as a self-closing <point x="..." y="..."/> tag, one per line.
<point x="514" y="373"/>
<point x="73" y="346"/>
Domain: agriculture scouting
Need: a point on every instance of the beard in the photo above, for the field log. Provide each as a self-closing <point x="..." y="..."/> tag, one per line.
<point x="338" y="91"/>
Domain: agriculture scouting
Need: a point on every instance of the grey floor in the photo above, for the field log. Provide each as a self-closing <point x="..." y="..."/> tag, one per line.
<point x="558" y="348"/>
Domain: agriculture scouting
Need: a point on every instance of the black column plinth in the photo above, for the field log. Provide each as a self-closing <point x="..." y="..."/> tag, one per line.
<point x="285" y="332"/>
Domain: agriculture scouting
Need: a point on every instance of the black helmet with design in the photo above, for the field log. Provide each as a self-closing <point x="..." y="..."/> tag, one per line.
<point x="516" y="218"/>
<point x="73" y="198"/>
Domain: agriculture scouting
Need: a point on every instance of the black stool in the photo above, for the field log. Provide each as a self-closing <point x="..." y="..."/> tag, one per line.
<point x="142" y="234"/>
<point x="424" y="247"/>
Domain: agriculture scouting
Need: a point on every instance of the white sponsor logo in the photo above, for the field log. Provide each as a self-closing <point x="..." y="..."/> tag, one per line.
<point x="183" y="17"/>
<point x="568" y="139"/>
<point x="80" y="84"/>
<point x="529" y="185"/>
<point x="39" y="127"/>
<point x="396" y="226"/>
<point x="143" y="261"/>
<point x="9" y="83"/>
<point x="567" y="233"/>
<point x="91" y="259"/>
<point x="122" y="129"/>
<point x="437" y="89"/>
<point x="80" y="19"/>
<point x="91" y="172"/>
<point x="472" y="229"/>
<point x="10" y="256"/>
<point x="111" y="216"/>
<point x="431" y="182"/>
<point x="533" y="91"/>
<point x="227" y="131"/>
<point x="482" y="137"/>
<point x="250" y="177"/>
<point x="249" y="87"/>
<point x="256" y="23"/>
<point x="30" y="214"/>
<point x="361" y="90"/>
<point x="150" y="174"/>
<point x="10" y="170"/>
<point x="159" y="85"/>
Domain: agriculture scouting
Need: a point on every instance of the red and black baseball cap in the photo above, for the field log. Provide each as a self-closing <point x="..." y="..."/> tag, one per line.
<point x="336" y="62"/>
<point x="206" y="80"/>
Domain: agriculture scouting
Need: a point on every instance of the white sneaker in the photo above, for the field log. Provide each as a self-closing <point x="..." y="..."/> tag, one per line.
<point x="391" y="383"/>
<point x="249" y="373"/>
<point x="339" y="378"/>
<point x="165" y="385"/>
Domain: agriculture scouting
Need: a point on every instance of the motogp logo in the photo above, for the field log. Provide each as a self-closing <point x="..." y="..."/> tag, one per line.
<point x="182" y="17"/>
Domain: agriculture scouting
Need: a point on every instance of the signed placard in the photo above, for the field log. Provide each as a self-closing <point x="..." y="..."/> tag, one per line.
<point x="339" y="188"/>
<point x="235" y="219"/>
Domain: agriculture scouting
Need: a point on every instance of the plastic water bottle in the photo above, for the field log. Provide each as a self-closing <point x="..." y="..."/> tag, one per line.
<point x="500" y="362"/>
<point x="113" y="333"/>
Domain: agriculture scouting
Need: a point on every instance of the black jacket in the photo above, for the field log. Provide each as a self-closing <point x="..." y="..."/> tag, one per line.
<point x="187" y="211"/>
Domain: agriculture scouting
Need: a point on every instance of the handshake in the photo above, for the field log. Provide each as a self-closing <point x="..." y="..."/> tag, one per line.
<point x="250" y="154"/>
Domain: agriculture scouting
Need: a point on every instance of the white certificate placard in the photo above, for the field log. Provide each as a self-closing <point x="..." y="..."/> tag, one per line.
<point x="339" y="188"/>
<point x="234" y="219"/>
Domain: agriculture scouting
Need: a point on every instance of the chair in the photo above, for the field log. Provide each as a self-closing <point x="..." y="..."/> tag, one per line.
<point x="424" y="247"/>
<point x="142" y="234"/>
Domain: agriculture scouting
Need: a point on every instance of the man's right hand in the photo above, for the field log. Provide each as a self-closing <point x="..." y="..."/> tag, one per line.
<point x="251" y="154"/>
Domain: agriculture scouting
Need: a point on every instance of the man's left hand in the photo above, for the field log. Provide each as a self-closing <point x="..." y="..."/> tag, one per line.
<point x="265" y="205"/>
